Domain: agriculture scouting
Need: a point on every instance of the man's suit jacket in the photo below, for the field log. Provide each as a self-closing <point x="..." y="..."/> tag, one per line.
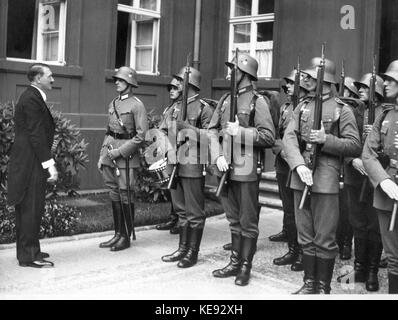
<point x="34" y="134"/>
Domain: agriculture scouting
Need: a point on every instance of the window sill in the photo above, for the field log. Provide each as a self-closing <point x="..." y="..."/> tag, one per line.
<point x="19" y="66"/>
<point x="141" y="78"/>
<point x="263" y="83"/>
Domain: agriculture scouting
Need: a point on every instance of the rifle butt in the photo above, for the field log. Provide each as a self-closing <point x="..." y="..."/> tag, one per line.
<point x="304" y="197"/>
<point x="172" y="177"/>
<point x="222" y="183"/>
<point x="393" y="216"/>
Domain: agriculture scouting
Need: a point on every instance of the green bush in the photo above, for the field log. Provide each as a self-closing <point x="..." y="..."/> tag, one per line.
<point x="69" y="155"/>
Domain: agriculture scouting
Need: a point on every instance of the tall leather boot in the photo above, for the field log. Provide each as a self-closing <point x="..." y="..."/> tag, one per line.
<point x="324" y="271"/>
<point x="392" y="283"/>
<point x="182" y="247"/>
<point x="116" y="212"/>
<point x="374" y="256"/>
<point x="310" y="285"/>
<point x="232" y="268"/>
<point x="124" y="241"/>
<point x="248" y="249"/>
<point x="360" y="262"/>
<point x="191" y="257"/>
<point x="297" y="264"/>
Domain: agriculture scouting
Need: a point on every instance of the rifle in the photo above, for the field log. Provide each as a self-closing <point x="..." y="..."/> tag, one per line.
<point x="184" y="106"/>
<point x="395" y="207"/>
<point x="233" y="111"/>
<point x="314" y="149"/>
<point x="341" y="94"/>
<point x="296" y="91"/>
<point x="371" y="119"/>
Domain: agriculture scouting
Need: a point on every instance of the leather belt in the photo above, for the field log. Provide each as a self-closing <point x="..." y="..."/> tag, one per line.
<point x="119" y="135"/>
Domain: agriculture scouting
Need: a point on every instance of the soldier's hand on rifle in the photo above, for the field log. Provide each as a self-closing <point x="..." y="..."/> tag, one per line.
<point x="222" y="164"/>
<point x="367" y="128"/>
<point x="232" y="128"/>
<point x="182" y="125"/>
<point x="114" y="154"/>
<point x="358" y="165"/>
<point x="390" y="188"/>
<point x="305" y="175"/>
<point x="318" y="136"/>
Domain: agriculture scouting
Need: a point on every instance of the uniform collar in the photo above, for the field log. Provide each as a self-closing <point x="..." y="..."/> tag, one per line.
<point x="245" y="89"/>
<point x="42" y="93"/>
<point x="125" y="96"/>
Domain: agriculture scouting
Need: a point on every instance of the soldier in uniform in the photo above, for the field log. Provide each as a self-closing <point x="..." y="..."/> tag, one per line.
<point x="294" y="255"/>
<point x="126" y="130"/>
<point x="362" y="215"/>
<point x="175" y="91"/>
<point x="188" y="197"/>
<point x="252" y="131"/>
<point x="380" y="162"/>
<point x="344" y="229"/>
<point x="317" y="222"/>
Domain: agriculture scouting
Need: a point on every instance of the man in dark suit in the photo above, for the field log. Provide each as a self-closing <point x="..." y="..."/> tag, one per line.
<point x="30" y="160"/>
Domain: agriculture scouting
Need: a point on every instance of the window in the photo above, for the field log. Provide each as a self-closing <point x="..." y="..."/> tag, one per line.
<point x="138" y="35"/>
<point x="251" y="31"/>
<point x="36" y="30"/>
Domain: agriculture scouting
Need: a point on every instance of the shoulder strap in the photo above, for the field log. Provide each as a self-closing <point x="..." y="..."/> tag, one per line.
<point x="117" y="115"/>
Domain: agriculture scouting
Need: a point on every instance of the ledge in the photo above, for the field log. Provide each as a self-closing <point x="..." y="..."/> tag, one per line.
<point x="141" y="78"/>
<point x="21" y="67"/>
<point x="270" y="84"/>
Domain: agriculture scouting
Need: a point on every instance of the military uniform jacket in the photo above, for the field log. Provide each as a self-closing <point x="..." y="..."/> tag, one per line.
<point x="381" y="138"/>
<point x="286" y="114"/>
<point x="351" y="175"/>
<point x="251" y="137"/>
<point x="133" y="114"/>
<point x="342" y="138"/>
<point x="199" y="113"/>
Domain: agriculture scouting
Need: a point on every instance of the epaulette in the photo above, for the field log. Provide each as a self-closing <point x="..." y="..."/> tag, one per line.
<point x="389" y="106"/>
<point x="137" y="99"/>
<point x="209" y="102"/>
<point x="352" y="102"/>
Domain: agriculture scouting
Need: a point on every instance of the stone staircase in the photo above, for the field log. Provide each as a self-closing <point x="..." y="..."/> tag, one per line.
<point x="269" y="195"/>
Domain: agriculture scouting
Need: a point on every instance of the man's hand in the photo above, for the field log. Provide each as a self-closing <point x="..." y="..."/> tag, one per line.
<point x="222" y="164"/>
<point x="181" y="125"/>
<point x="390" y="188"/>
<point x="232" y="128"/>
<point x="367" y="128"/>
<point x="358" y="165"/>
<point x="114" y="154"/>
<point x="53" y="174"/>
<point x="305" y="175"/>
<point x="318" y="136"/>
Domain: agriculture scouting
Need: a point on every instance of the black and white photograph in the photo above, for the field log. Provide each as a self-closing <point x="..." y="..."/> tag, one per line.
<point x="198" y="154"/>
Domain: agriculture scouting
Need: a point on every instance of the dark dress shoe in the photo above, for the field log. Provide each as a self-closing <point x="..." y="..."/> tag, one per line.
<point x="175" y="230"/>
<point x="227" y="246"/>
<point x="166" y="225"/>
<point x="44" y="255"/>
<point x="279" y="237"/>
<point x="37" y="264"/>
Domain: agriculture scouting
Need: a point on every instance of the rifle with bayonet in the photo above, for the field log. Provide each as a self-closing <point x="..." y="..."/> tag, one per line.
<point x="184" y="107"/>
<point x="371" y="119"/>
<point x="313" y="149"/>
<point x="341" y="94"/>
<point x="232" y="114"/>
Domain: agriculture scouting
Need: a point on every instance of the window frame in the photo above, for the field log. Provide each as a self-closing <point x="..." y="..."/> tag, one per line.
<point x="132" y="42"/>
<point x="61" y="39"/>
<point x="252" y="20"/>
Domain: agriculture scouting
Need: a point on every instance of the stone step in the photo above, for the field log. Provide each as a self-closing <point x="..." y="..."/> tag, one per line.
<point x="268" y="186"/>
<point x="270" y="175"/>
<point x="270" y="201"/>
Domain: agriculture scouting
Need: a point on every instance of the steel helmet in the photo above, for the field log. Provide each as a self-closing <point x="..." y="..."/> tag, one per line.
<point x="127" y="74"/>
<point x="365" y="81"/>
<point x="330" y="69"/>
<point x="349" y="83"/>
<point x="392" y="71"/>
<point x="246" y="63"/>
<point x="174" y="83"/>
<point x="291" y="78"/>
<point x="194" y="77"/>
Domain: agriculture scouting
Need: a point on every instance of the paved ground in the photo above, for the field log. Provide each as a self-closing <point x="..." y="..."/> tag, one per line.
<point x="84" y="271"/>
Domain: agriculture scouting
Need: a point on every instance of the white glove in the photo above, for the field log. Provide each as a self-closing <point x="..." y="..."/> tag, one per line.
<point x="53" y="174"/>
<point x="222" y="164"/>
<point x="305" y="175"/>
<point x="232" y="128"/>
<point x="390" y="188"/>
<point x="358" y="165"/>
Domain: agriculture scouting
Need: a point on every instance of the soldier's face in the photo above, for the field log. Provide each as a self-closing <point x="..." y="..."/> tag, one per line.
<point x="347" y="93"/>
<point x="290" y="88"/>
<point x="121" y="85"/>
<point x="391" y="88"/>
<point x="175" y="92"/>
<point x="364" y="93"/>
<point x="308" y="82"/>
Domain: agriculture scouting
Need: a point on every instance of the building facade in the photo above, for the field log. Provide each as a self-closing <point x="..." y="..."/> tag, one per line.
<point x="85" y="40"/>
